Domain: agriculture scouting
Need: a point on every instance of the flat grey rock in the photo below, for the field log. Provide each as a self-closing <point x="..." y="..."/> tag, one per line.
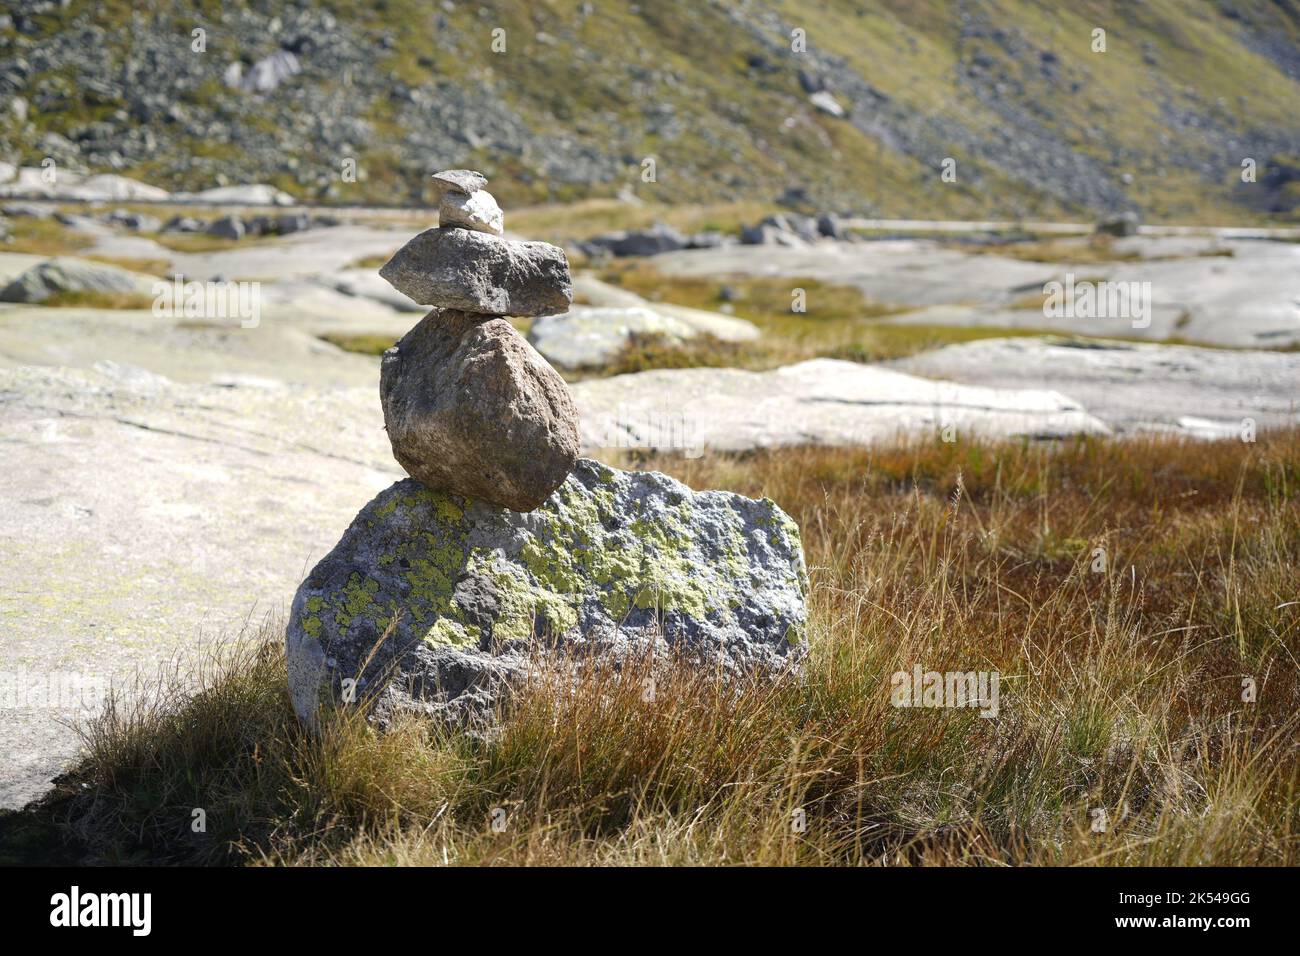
<point x="1132" y="386"/>
<point x="472" y="409"/>
<point x="29" y="182"/>
<point x="466" y="182"/>
<point x="367" y="284"/>
<point x="476" y="272"/>
<point x="591" y="336"/>
<point x="1249" y="298"/>
<point x="142" y="517"/>
<point x="614" y="564"/>
<point x="823" y="402"/>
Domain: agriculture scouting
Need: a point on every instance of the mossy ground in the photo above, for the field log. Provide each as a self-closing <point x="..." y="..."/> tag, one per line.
<point x="1160" y="688"/>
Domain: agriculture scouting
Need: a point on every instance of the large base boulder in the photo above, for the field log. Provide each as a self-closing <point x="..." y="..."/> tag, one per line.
<point x="471" y="408"/>
<point x="436" y="605"/>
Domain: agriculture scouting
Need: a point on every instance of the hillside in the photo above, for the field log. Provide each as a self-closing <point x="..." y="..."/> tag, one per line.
<point x="1038" y="123"/>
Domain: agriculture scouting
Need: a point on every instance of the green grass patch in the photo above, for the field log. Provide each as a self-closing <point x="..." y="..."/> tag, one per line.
<point x="91" y="299"/>
<point x="363" y="343"/>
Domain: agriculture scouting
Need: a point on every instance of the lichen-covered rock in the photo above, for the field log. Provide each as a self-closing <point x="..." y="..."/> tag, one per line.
<point x="474" y="271"/>
<point x="433" y="604"/>
<point x="471" y="408"/>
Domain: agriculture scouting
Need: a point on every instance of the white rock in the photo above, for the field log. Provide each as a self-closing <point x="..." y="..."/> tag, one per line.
<point x="825" y="102"/>
<point x="258" y="194"/>
<point x="114" y="188"/>
<point x="264" y="75"/>
<point x="1135" y="387"/>
<point x="823" y="401"/>
<point x="478" y="211"/>
<point x="588" y="336"/>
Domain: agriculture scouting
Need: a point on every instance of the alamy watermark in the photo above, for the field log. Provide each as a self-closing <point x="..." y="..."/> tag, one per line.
<point x="209" y="300"/>
<point x="25" y="689"/>
<point x="922" y="688"/>
<point x="657" y="431"/>
<point x="1104" y="299"/>
<point x="75" y="908"/>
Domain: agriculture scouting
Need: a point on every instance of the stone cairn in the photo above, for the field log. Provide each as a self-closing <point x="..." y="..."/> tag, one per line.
<point x="470" y="407"/>
<point x="437" y="597"/>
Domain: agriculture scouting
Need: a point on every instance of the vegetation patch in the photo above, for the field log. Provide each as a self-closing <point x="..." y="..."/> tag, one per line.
<point x="94" y="299"/>
<point x="1137" y="599"/>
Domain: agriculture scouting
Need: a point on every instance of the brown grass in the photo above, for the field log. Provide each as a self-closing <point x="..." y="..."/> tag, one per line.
<point x="44" y="237"/>
<point x="1121" y="691"/>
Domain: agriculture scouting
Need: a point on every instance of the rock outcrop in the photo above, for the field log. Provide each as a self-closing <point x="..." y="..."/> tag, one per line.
<point x="434" y="604"/>
<point x="62" y="275"/>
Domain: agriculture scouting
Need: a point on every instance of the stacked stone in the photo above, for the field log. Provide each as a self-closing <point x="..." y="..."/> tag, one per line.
<point x="470" y="407"/>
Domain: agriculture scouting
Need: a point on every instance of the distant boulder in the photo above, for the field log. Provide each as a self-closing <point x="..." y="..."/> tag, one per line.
<point x="227" y="227"/>
<point x="54" y="276"/>
<point x="827" y="103"/>
<point x="258" y="194"/>
<point x="265" y="75"/>
<point x="781" y="229"/>
<point x="636" y="242"/>
<point x="183" y="224"/>
<point x="135" y="221"/>
<point x="1123" y="224"/>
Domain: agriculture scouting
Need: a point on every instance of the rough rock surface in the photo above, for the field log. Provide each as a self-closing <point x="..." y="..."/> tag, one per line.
<point x="478" y="211"/>
<point x="476" y="272"/>
<point x="1213" y="289"/>
<point x="142" y="517"/>
<point x="464" y="182"/>
<point x="822" y="401"/>
<point x="471" y="408"/>
<point x="1135" y="387"/>
<point x="74" y="275"/>
<point x="615" y="562"/>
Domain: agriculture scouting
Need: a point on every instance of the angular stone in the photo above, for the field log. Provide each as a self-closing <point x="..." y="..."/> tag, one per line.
<point x="476" y="272"/>
<point x="466" y="182"/>
<point x="227" y="227"/>
<point x="434" y="605"/>
<point x="477" y="211"/>
<point x="471" y="408"/>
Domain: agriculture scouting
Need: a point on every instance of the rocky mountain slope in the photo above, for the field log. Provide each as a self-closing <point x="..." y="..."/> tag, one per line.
<point x="562" y="99"/>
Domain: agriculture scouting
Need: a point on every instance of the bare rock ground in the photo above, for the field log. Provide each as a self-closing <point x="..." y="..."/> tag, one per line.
<point x="141" y="514"/>
<point x="1135" y="386"/>
<point x="1198" y="292"/>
